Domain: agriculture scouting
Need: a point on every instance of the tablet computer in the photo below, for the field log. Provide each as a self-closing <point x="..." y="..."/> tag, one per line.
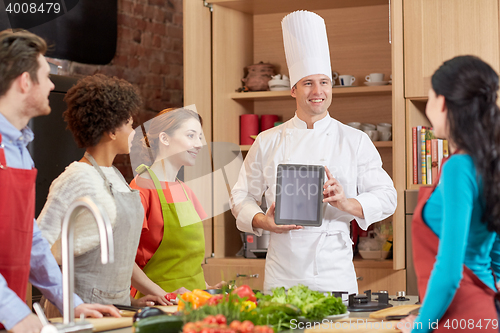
<point x="299" y="194"/>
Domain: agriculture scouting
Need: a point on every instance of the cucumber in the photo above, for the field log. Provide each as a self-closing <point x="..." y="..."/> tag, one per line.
<point x="163" y="323"/>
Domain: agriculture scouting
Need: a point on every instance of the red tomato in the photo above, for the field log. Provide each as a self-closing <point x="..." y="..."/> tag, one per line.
<point x="220" y="319"/>
<point x="235" y="325"/>
<point x="245" y="291"/>
<point x="189" y="326"/>
<point x="214" y="300"/>
<point x="210" y="320"/>
<point x="205" y="330"/>
<point x="246" y="326"/>
<point x="171" y="296"/>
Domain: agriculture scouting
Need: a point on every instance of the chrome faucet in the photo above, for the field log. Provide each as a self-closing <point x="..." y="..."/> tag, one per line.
<point x="67" y="238"/>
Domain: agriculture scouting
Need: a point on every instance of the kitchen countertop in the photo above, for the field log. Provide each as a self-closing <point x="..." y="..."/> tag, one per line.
<point x="354" y="317"/>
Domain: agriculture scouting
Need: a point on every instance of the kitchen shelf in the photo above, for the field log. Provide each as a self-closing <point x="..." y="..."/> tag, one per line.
<point x="245" y="147"/>
<point x="366" y="263"/>
<point x="417" y="186"/>
<point x="281" y="95"/>
<point x="285" y="6"/>
<point x="378" y="144"/>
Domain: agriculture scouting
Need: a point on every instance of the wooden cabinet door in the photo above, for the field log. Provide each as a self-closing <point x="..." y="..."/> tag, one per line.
<point x="381" y="279"/>
<point x="438" y="30"/>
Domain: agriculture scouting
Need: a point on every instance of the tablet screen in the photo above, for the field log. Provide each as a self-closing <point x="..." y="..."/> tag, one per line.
<point x="299" y="194"/>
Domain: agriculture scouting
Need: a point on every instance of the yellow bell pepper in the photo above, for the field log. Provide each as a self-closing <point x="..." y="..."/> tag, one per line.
<point x="248" y="306"/>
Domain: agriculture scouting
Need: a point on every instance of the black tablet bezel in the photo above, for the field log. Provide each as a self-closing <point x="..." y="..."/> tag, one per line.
<point x="320" y="182"/>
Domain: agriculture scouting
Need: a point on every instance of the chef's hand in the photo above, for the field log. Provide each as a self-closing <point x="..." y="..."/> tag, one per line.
<point x="406" y="324"/>
<point x="333" y="193"/>
<point x="30" y="324"/>
<point x="150" y="300"/>
<point x="266" y="222"/>
<point x="95" y="310"/>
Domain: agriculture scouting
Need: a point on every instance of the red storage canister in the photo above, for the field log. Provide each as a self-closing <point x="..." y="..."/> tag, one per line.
<point x="267" y="121"/>
<point x="249" y="125"/>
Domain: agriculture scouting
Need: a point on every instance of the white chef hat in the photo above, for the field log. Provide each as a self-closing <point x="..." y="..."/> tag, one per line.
<point x="306" y="45"/>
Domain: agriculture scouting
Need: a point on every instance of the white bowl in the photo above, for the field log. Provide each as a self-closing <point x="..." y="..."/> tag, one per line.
<point x="279" y="88"/>
<point x="279" y="84"/>
<point x="374" y="254"/>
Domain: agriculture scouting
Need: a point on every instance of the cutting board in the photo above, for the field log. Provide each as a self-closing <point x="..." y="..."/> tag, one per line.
<point x="394" y="311"/>
<point x="167" y="308"/>
<point x="376" y="322"/>
<point x="103" y="324"/>
<point x="164" y="308"/>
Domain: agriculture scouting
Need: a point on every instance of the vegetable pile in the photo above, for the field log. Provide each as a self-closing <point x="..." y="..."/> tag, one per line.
<point x="276" y="310"/>
<point x="218" y="324"/>
<point x="314" y="305"/>
<point x="241" y="305"/>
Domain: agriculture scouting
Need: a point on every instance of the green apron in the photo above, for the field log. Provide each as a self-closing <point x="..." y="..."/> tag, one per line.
<point x="177" y="261"/>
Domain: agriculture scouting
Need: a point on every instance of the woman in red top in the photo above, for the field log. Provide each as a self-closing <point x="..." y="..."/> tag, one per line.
<point x="172" y="245"/>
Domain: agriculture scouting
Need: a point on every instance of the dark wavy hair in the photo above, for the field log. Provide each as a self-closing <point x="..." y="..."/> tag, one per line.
<point x="19" y="53"/>
<point x="469" y="86"/>
<point x="98" y="104"/>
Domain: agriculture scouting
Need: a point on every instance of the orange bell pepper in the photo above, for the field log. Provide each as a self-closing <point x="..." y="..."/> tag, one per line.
<point x="202" y="295"/>
<point x="191" y="298"/>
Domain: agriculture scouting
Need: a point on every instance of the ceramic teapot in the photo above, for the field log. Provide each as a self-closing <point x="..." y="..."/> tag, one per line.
<point x="258" y="75"/>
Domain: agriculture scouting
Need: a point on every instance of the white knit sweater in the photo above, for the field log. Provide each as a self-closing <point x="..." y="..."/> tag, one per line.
<point x="78" y="180"/>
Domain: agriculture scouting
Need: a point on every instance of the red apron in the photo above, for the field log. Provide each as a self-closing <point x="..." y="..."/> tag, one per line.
<point x="473" y="301"/>
<point x="17" y="210"/>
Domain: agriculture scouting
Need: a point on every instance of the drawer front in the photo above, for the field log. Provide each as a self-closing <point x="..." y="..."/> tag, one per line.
<point x="381" y="279"/>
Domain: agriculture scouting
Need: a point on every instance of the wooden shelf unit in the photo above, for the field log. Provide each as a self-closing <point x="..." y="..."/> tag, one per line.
<point x="244" y="32"/>
<point x="337" y="91"/>
<point x="258" y="37"/>
<point x="415" y="116"/>
<point x="256" y="7"/>
<point x="378" y="144"/>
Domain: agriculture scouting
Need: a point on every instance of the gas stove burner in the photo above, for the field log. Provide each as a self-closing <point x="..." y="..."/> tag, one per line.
<point x="364" y="303"/>
<point x="401" y="297"/>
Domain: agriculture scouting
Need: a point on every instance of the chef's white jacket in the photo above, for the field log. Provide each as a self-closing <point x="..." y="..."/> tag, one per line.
<point x="319" y="257"/>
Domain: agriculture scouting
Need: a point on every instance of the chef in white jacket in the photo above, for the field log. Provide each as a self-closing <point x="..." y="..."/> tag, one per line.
<point x="357" y="186"/>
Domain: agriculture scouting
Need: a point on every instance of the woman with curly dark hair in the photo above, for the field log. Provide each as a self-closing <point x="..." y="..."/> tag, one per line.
<point x="456" y="221"/>
<point x="99" y="115"/>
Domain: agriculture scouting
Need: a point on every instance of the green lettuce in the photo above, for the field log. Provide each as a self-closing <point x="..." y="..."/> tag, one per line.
<point x="314" y="305"/>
